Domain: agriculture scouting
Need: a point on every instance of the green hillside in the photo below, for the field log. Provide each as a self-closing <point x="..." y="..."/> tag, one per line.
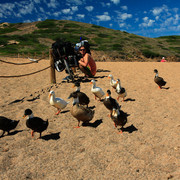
<point x="37" y="37"/>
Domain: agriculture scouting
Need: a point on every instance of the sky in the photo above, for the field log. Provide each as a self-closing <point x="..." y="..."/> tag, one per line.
<point x="149" y="18"/>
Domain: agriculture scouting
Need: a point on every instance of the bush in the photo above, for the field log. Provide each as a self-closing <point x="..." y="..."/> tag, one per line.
<point x="48" y="23"/>
<point x="149" y="54"/>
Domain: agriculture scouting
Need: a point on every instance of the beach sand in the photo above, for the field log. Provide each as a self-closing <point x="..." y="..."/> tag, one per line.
<point x="147" y="149"/>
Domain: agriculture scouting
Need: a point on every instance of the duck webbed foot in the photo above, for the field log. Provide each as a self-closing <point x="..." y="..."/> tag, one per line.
<point x="32" y="134"/>
<point x="58" y="112"/>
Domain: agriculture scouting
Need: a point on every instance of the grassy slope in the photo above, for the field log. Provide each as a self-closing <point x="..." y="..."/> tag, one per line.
<point x="38" y="37"/>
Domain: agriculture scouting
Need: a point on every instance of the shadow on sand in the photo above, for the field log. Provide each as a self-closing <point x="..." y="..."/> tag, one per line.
<point x="95" y="124"/>
<point x="130" y="129"/>
<point x="129" y="99"/>
<point x="52" y="136"/>
<point x="12" y="133"/>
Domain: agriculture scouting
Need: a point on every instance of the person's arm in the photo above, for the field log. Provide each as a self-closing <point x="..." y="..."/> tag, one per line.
<point x="86" y="60"/>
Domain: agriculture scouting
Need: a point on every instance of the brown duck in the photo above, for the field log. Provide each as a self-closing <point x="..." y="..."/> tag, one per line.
<point x="81" y="113"/>
<point x="159" y="80"/>
<point x="110" y="102"/>
<point x="119" y="118"/>
<point x="83" y="98"/>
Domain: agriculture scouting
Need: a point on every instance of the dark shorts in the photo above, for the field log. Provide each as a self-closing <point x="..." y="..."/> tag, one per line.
<point x="88" y="71"/>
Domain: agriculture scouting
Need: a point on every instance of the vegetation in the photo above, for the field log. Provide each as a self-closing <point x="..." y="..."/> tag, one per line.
<point x="123" y="44"/>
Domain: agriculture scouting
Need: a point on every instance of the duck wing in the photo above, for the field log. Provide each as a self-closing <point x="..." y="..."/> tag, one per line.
<point x="82" y="113"/>
<point x="160" y="81"/>
<point x="83" y="98"/>
<point x="111" y="103"/>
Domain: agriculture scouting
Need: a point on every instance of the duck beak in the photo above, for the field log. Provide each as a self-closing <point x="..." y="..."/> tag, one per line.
<point x="73" y="86"/>
<point x="24" y="116"/>
<point x="107" y="94"/>
<point x="108" y="77"/>
<point x="90" y="83"/>
<point x="49" y="96"/>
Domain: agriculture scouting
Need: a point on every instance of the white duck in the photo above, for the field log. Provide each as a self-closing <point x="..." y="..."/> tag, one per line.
<point x="120" y="90"/>
<point x="97" y="91"/>
<point x="112" y="81"/>
<point x="57" y="102"/>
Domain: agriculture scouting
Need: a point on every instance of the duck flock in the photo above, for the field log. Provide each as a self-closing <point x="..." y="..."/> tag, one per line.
<point x="80" y="106"/>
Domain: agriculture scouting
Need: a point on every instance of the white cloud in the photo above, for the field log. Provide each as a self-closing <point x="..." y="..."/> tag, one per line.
<point x="80" y="16"/>
<point x="53" y="4"/>
<point x="76" y="2"/>
<point x="37" y="1"/>
<point x="66" y="11"/>
<point x="27" y="21"/>
<point x="136" y="19"/>
<point x="74" y="8"/>
<point x="111" y="25"/>
<point x="67" y="17"/>
<point x="41" y="9"/>
<point x="158" y="10"/>
<point x="157" y="18"/>
<point x="122" y="25"/>
<point x="124" y="8"/>
<point x="39" y="19"/>
<point x="103" y="17"/>
<point x="175" y="10"/>
<point x="56" y="14"/>
<point x="147" y="22"/>
<point x="115" y="1"/>
<point x="89" y="8"/>
<point x="145" y="18"/>
<point x="125" y="16"/>
<point x="27" y="9"/>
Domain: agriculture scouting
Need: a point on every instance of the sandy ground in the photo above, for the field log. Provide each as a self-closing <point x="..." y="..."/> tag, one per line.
<point x="147" y="149"/>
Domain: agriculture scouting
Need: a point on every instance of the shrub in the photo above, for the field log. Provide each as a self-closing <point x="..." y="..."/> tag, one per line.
<point x="149" y="54"/>
<point x="48" y="23"/>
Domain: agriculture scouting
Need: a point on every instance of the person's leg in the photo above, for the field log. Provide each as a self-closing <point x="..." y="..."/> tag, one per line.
<point x="86" y="71"/>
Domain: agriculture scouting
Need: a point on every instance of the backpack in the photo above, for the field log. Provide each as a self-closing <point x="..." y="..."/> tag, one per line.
<point x="61" y="50"/>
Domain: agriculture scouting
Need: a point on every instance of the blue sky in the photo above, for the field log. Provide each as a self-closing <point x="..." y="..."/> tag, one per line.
<point x="149" y="18"/>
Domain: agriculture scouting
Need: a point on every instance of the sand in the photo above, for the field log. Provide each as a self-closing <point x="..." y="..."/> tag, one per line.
<point x="147" y="149"/>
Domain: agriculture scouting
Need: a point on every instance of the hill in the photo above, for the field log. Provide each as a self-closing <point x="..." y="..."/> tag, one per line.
<point x="107" y="44"/>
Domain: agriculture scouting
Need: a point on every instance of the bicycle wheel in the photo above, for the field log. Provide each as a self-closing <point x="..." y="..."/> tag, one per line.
<point x="70" y="72"/>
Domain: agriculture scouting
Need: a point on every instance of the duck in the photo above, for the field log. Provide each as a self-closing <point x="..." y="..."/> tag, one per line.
<point x="110" y="102"/>
<point x="36" y="124"/>
<point x="121" y="91"/>
<point x="97" y="91"/>
<point x="7" y="124"/>
<point x="83" y="98"/>
<point x="119" y="118"/>
<point x="113" y="83"/>
<point x="159" y="80"/>
<point x="59" y="103"/>
<point x="81" y="113"/>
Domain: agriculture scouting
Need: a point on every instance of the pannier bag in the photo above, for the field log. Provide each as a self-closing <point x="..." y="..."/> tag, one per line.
<point x="63" y="51"/>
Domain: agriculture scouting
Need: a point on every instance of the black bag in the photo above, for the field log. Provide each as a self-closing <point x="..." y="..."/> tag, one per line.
<point x="61" y="50"/>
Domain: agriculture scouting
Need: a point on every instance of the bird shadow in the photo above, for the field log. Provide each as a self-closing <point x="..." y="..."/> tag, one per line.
<point x="165" y="88"/>
<point x="33" y="99"/>
<point x="130" y="129"/>
<point x="52" y="136"/>
<point x="103" y="70"/>
<point x="95" y="124"/>
<point x="16" y="101"/>
<point x="62" y="112"/>
<point x="84" y="80"/>
<point x="12" y="133"/>
<point x="92" y="107"/>
<point x="129" y="99"/>
<point x="96" y="77"/>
